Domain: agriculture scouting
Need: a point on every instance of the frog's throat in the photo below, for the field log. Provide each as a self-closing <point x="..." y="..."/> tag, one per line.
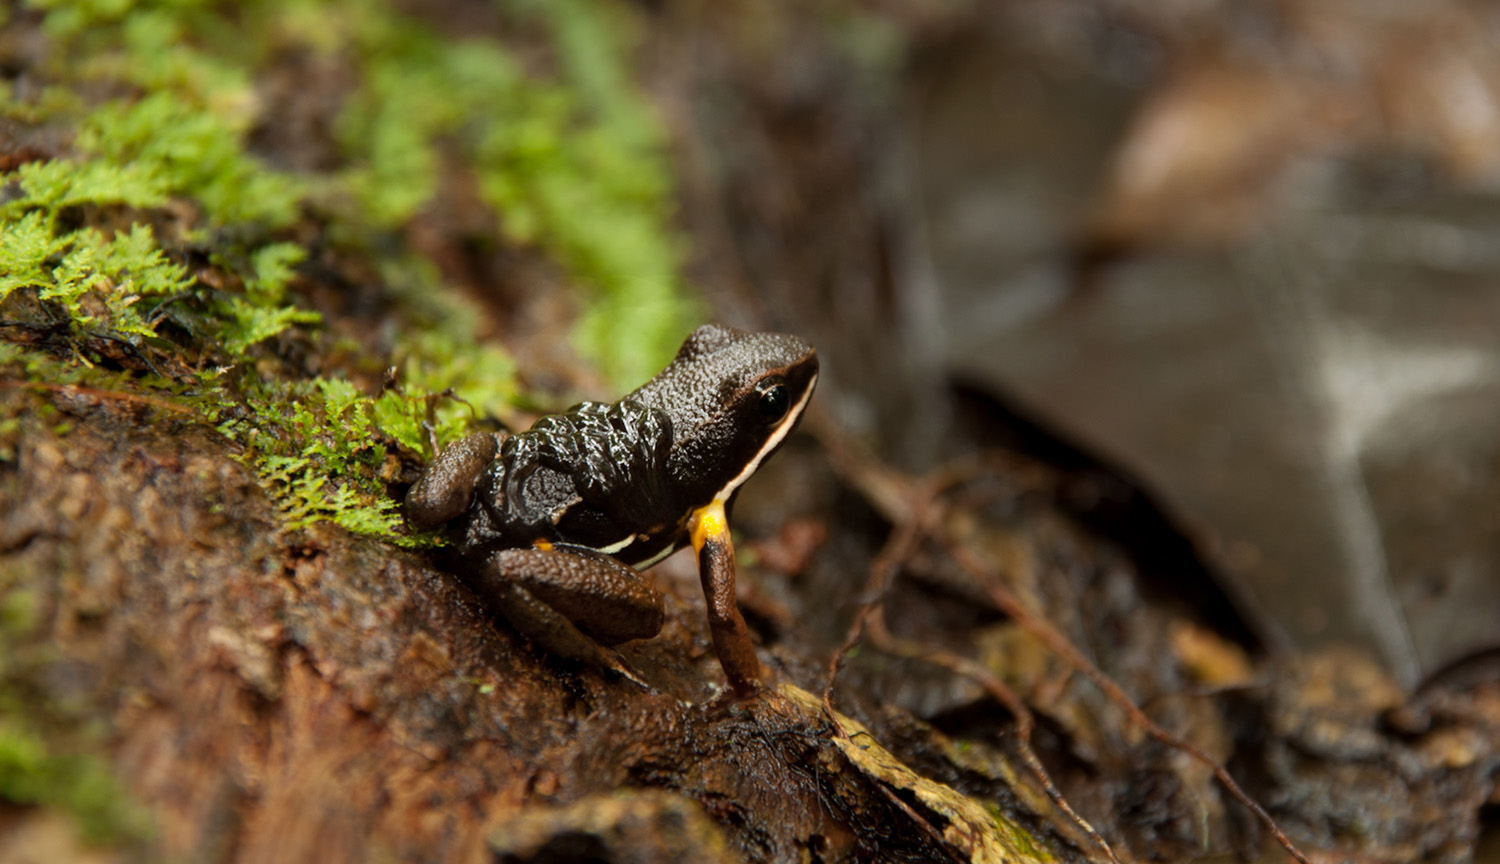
<point x="771" y="443"/>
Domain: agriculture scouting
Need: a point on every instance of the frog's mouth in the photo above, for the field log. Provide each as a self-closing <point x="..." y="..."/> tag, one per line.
<point x="771" y="444"/>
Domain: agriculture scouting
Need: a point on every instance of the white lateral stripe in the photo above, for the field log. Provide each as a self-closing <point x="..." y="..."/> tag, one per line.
<point x="616" y="547"/>
<point x="780" y="433"/>
<point x="656" y="559"/>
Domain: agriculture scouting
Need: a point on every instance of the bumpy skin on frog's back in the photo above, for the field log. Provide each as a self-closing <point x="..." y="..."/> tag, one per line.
<point x="623" y="483"/>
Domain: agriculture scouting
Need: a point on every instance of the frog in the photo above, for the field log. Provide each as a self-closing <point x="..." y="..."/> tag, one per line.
<point x="553" y="525"/>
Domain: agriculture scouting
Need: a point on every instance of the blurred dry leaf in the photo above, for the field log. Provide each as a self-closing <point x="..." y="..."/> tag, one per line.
<point x="1218" y="140"/>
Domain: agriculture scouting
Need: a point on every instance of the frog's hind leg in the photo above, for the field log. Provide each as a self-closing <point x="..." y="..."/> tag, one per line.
<point x="572" y="601"/>
<point x="555" y="633"/>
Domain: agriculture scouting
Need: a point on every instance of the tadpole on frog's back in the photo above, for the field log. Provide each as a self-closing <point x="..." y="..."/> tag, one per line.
<point x="551" y="524"/>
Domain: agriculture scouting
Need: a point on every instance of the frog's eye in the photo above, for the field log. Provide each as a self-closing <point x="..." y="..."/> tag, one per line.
<point x="773" y="399"/>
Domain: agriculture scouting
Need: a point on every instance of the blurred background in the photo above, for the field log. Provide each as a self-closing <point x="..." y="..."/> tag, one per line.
<point x="1239" y="257"/>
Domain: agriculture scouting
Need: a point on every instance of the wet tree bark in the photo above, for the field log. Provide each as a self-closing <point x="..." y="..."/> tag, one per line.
<point x="271" y="697"/>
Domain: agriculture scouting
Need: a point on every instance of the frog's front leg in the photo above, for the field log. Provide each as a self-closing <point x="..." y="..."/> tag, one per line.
<point x="446" y="488"/>
<point x="709" y="529"/>
<point x="571" y="600"/>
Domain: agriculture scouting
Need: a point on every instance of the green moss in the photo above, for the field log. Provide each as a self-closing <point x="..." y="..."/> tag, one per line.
<point x="576" y="166"/>
<point x="605" y="198"/>
<point x="47" y="187"/>
<point x="570" y="160"/>
<point x="67" y="17"/>
<point x="306" y="495"/>
<point x="80" y="784"/>
<point x="112" y="287"/>
<point x="316" y="449"/>
<point x="193" y="152"/>
<point x="10" y="435"/>
<point x="391" y="127"/>
<point x="1017" y="838"/>
<point x="36" y="768"/>
<point x="439" y="363"/>
<point x="260" y="313"/>
<point x="106" y="287"/>
<point x="17" y="613"/>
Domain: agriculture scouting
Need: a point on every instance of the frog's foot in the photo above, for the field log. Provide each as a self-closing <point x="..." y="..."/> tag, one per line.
<point x="572" y="601"/>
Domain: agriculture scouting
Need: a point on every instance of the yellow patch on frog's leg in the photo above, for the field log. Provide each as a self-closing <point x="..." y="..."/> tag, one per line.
<point x="709" y="529"/>
<point x="709" y="523"/>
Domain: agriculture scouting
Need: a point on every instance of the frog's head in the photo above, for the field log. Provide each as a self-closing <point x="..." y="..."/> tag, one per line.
<point x="732" y="396"/>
